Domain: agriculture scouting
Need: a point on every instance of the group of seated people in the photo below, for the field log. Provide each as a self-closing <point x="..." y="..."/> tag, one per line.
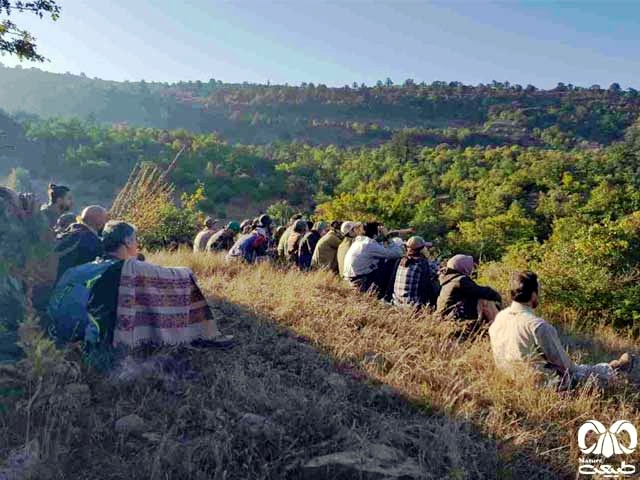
<point x="375" y="260"/>
<point x="107" y="296"/>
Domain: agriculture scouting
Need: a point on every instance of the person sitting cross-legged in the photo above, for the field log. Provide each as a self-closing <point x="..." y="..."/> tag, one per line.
<point x="519" y="337"/>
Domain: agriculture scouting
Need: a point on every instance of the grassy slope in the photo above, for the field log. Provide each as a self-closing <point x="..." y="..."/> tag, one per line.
<point x="535" y="429"/>
<point x="462" y="419"/>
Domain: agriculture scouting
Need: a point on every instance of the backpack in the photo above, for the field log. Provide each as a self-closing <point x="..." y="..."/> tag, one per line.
<point x="68" y="304"/>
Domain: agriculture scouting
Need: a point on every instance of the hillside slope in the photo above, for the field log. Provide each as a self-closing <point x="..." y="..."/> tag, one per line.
<point x="441" y="112"/>
<point x="273" y="407"/>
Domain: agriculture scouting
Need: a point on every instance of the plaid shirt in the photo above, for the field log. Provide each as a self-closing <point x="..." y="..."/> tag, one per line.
<point x="412" y="283"/>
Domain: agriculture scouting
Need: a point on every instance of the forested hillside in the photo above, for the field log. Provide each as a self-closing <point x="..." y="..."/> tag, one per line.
<point x="441" y="112"/>
<point x="542" y="179"/>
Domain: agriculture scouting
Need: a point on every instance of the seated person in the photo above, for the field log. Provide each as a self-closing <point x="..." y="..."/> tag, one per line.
<point x="203" y="236"/>
<point x="134" y="303"/>
<point x="326" y="253"/>
<point x="368" y="264"/>
<point x="308" y="244"/>
<point x="293" y="242"/>
<point x="461" y="298"/>
<point x="60" y="202"/>
<point x="414" y="283"/>
<point x="349" y="230"/>
<point x="250" y="247"/>
<point x="519" y="337"/>
<point x="80" y="243"/>
<point x="223" y="239"/>
<point x="283" y="240"/>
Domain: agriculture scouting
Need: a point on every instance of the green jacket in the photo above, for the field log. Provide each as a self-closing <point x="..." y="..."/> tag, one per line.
<point x="326" y="252"/>
<point x="342" y="252"/>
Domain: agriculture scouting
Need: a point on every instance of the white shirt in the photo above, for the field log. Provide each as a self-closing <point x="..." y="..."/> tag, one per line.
<point x="365" y="254"/>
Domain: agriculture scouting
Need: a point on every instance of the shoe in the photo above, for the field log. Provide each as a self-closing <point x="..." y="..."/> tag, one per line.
<point x="223" y="342"/>
<point x="624" y="364"/>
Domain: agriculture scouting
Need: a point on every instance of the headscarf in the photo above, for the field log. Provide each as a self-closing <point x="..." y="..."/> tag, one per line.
<point x="461" y="263"/>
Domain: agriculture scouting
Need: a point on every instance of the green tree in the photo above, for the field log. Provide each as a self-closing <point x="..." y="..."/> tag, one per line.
<point x="19" y="42"/>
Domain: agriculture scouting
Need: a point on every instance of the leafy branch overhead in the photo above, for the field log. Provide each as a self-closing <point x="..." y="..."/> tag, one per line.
<point x="19" y="42"/>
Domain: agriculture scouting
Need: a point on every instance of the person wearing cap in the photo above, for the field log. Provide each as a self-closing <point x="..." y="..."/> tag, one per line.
<point x="368" y="264"/>
<point x="349" y="230"/>
<point x="293" y="243"/>
<point x="309" y="242"/>
<point x="413" y="282"/>
<point x="60" y="202"/>
<point x="203" y="236"/>
<point x="462" y="299"/>
<point x="223" y="239"/>
<point x="326" y="253"/>
<point x="81" y="242"/>
<point x="520" y="338"/>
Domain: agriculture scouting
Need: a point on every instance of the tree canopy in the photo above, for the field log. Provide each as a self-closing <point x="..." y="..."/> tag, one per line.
<point x="13" y="39"/>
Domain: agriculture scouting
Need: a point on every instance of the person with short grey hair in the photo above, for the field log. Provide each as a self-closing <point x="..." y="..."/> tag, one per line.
<point x="119" y="240"/>
<point x="118" y="322"/>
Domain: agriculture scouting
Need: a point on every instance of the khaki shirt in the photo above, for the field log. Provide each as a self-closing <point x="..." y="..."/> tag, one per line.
<point x="519" y="336"/>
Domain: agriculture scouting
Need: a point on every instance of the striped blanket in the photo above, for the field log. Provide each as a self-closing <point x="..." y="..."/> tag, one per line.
<point x="162" y="306"/>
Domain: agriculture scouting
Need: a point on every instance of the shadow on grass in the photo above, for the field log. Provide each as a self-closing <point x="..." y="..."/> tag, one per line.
<point x="262" y="410"/>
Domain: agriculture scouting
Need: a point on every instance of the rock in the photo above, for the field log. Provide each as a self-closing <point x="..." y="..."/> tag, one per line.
<point x="257" y="426"/>
<point x="373" y="462"/>
<point x="336" y="381"/>
<point x="131" y="424"/>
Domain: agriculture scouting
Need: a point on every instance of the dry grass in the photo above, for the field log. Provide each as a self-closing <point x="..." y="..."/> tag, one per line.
<point x="533" y="427"/>
<point x="459" y="419"/>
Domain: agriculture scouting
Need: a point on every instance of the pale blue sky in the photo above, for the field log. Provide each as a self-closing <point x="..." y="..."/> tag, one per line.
<point x="335" y="43"/>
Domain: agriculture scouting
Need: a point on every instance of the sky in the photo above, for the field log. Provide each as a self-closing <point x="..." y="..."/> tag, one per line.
<point x="340" y="42"/>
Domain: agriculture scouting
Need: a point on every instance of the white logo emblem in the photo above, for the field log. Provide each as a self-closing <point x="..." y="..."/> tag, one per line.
<point x="607" y="443"/>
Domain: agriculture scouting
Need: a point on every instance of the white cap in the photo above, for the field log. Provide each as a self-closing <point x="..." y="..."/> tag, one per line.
<point x="347" y="227"/>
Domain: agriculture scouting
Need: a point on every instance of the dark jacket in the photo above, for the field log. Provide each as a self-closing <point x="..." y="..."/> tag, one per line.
<point x="221" y="241"/>
<point x="76" y="246"/>
<point x="459" y="295"/>
<point x="103" y="302"/>
<point x="307" y="247"/>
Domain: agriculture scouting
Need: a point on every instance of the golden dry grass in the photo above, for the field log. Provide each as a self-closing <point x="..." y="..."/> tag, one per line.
<point x="419" y="357"/>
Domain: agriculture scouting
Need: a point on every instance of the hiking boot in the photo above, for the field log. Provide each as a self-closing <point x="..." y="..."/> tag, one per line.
<point x="223" y="342"/>
<point x="624" y="363"/>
